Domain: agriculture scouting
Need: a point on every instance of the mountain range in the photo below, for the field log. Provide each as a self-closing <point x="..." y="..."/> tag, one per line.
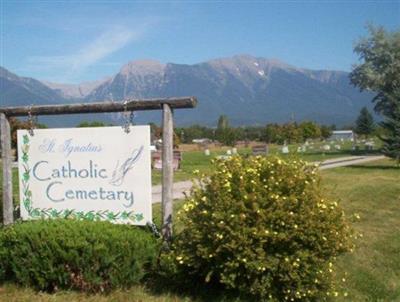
<point x="249" y="90"/>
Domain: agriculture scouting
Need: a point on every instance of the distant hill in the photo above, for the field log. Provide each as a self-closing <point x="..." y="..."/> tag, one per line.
<point x="17" y="91"/>
<point x="23" y="91"/>
<point x="73" y="91"/>
<point x="250" y="90"/>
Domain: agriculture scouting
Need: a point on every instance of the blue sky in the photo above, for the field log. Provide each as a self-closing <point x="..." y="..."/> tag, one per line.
<point x="74" y="41"/>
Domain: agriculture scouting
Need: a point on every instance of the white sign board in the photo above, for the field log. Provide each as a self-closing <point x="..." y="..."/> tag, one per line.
<point x="86" y="173"/>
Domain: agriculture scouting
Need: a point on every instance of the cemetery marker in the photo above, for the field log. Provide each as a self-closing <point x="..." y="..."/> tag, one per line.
<point x="165" y="104"/>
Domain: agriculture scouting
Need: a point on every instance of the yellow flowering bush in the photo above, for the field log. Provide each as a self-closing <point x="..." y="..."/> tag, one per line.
<point x="262" y="226"/>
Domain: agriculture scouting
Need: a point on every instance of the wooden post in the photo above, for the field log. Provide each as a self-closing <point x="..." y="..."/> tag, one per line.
<point x="167" y="173"/>
<point x="167" y="104"/>
<point x="127" y="104"/>
<point x="5" y="138"/>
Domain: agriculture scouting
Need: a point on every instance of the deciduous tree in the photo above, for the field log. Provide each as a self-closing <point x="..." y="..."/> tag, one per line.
<point x="379" y="71"/>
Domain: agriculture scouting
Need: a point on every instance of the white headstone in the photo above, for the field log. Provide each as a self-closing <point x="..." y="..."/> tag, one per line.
<point x="207" y="152"/>
<point x="326" y="147"/>
<point x="285" y="149"/>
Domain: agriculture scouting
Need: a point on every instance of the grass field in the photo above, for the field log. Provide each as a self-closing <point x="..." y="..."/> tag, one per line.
<point x="196" y="160"/>
<point x="372" y="272"/>
<point x="373" y="191"/>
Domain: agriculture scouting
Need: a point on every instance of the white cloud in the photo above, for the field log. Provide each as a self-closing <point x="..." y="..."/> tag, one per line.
<point x="89" y="54"/>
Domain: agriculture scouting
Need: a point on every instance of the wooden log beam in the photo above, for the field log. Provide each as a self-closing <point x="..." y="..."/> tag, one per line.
<point x="6" y="157"/>
<point x="167" y="173"/>
<point x="101" y="107"/>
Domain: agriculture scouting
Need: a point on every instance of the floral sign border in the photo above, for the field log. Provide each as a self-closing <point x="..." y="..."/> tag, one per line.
<point x="66" y="213"/>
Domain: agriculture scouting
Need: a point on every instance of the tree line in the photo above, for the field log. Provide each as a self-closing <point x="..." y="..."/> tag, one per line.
<point x="291" y="132"/>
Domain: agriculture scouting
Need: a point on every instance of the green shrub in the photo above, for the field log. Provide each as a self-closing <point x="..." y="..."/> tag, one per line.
<point x="69" y="254"/>
<point x="262" y="226"/>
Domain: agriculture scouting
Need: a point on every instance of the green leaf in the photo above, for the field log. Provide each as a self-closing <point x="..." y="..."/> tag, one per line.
<point x="26" y="139"/>
<point x="25" y="158"/>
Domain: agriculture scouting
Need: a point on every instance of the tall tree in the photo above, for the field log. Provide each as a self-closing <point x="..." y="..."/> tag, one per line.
<point x="326" y="131"/>
<point x="379" y="71"/>
<point x="391" y="136"/>
<point x="224" y="133"/>
<point x="310" y="130"/>
<point x="223" y="122"/>
<point x="365" y="123"/>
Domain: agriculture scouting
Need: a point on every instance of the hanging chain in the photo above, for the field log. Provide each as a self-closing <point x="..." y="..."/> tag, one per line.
<point x="128" y="117"/>
<point x="132" y="117"/>
<point x="153" y="229"/>
<point x="31" y="121"/>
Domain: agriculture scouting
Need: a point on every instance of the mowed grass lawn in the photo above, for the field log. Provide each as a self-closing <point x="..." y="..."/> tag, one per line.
<point x="373" y="191"/>
<point x="372" y="272"/>
<point x="196" y="160"/>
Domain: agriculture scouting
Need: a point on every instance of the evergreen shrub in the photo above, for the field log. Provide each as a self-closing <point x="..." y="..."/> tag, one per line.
<point x="70" y="254"/>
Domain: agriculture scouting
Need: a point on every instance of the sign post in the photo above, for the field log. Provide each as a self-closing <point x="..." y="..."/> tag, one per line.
<point x="165" y="104"/>
<point x="167" y="172"/>
<point x="8" y="217"/>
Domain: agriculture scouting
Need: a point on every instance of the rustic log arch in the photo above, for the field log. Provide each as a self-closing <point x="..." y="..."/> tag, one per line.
<point x="167" y="105"/>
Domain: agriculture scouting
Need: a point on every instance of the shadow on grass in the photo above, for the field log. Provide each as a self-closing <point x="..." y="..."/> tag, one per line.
<point x="193" y="289"/>
<point x="374" y="167"/>
<point x="345" y="152"/>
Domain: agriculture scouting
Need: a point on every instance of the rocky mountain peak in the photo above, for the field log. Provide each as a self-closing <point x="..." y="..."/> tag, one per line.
<point x="142" y="67"/>
<point x="241" y="65"/>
